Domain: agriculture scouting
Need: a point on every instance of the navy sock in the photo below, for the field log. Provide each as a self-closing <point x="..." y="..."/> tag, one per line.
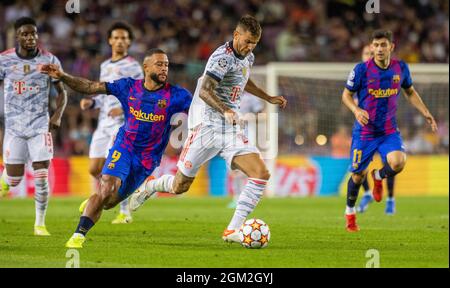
<point x="352" y="192"/>
<point x="85" y="225"/>
<point x="387" y="171"/>
<point x="366" y="185"/>
<point x="390" y="186"/>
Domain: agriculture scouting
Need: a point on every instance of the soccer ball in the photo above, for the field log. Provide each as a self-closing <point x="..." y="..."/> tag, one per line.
<point x="254" y="233"/>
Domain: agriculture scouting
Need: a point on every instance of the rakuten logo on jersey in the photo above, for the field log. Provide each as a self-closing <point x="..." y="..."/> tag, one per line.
<point x="147" y="117"/>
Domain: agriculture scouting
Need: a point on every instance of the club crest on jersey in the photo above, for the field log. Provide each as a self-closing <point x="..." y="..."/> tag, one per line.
<point x="26" y="69"/>
<point x="162" y="103"/>
<point x="244" y="71"/>
<point x="396" y="78"/>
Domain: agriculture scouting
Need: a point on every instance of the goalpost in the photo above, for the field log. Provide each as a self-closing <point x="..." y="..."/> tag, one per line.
<point x="314" y="106"/>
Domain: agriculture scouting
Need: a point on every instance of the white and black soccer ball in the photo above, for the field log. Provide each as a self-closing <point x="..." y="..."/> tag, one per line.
<point x="254" y="233"/>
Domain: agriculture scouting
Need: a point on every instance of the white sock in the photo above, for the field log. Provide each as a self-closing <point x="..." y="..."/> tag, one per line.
<point x="247" y="201"/>
<point x="368" y="192"/>
<point x="162" y="184"/>
<point x="350" y="210"/>
<point x="238" y="184"/>
<point x="78" y="234"/>
<point x="124" y="209"/>
<point x="12" y="181"/>
<point x="41" y="195"/>
<point x="377" y="175"/>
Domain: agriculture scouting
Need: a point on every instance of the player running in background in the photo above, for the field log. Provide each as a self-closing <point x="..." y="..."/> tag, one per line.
<point x="378" y="83"/>
<point x="367" y="198"/>
<point x="214" y="126"/>
<point x="111" y="118"/>
<point x="249" y="108"/>
<point x="148" y="106"/>
<point x="27" y="122"/>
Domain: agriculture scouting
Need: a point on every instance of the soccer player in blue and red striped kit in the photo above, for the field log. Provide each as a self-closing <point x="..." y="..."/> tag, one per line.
<point x="148" y="106"/>
<point x="378" y="84"/>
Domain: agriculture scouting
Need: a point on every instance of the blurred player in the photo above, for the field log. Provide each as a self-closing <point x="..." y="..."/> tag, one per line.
<point x="367" y="198"/>
<point x="120" y="65"/>
<point x="249" y="108"/>
<point x="378" y="83"/>
<point x="148" y="106"/>
<point x="27" y="123"/>
<point x="214" y="126"/>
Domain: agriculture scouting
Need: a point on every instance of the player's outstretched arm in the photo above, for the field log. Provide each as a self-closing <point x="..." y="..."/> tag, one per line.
<point x="208" y="94"/>
<point x="361" y="115"/>
<point x="252" y="88"/>
<point x="414" y="98"/>
<point x="78" y="84"/>
<point x="61" y="102"/>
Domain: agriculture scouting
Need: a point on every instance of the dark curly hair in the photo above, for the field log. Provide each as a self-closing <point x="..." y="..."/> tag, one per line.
<point x="24" y="21"/>
<point x="121" y="25"/>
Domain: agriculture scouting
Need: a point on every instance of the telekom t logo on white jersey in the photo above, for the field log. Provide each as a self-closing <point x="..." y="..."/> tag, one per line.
<point x="20" y="87"/>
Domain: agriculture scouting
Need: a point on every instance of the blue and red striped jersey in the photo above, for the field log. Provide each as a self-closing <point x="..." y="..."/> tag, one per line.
<point x="147" y="114"/>
<point x="378" y="91"/>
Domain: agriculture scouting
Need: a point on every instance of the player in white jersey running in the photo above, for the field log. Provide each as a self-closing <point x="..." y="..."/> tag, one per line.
<point x="110" y="118"/>
<point x="214" y="126"/>
<point x="27" y="121"/>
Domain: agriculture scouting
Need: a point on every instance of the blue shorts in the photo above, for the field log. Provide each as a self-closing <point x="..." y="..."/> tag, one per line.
<point x="362" y="151"/>
<point x="128" y="167"/>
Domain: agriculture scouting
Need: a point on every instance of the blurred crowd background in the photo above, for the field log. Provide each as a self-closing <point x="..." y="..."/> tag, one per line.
<point x="189" y="30"/>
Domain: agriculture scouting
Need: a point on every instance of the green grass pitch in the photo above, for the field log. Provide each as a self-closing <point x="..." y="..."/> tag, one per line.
<point x="186" y="232"/>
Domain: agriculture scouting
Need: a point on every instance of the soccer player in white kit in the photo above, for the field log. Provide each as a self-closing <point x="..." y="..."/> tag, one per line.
<point x="215" y="130"/>
<point x="110" y="118"/>
<point x="27" y="121"/>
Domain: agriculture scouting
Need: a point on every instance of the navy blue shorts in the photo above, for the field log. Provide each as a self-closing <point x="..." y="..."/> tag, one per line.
<point x="128" y="167"/>
<point x="362" y="150"/>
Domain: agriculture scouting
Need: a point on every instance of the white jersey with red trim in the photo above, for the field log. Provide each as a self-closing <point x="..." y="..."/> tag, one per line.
<point x="26" y="92"/>
<point x="232" y="71"/>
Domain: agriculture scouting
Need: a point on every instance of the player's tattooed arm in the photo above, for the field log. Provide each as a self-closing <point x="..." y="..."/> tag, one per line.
<point x="415" y="100"/>
<point x="253" y="89"/>
<point x="78" y="84"/>
<point x="61" y="102"/>
<point x="208" y="94"/>
<point x="361" y="115"/>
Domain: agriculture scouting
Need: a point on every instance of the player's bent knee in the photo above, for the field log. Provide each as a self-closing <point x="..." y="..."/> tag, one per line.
<point x="397" y="161"/>
<point x="398" y="166"/>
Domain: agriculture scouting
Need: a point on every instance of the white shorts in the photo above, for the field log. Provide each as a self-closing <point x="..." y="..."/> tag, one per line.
<point x="205" y="142"/>
<point x="102" y="141"/>
<point x="19" y="150"/>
